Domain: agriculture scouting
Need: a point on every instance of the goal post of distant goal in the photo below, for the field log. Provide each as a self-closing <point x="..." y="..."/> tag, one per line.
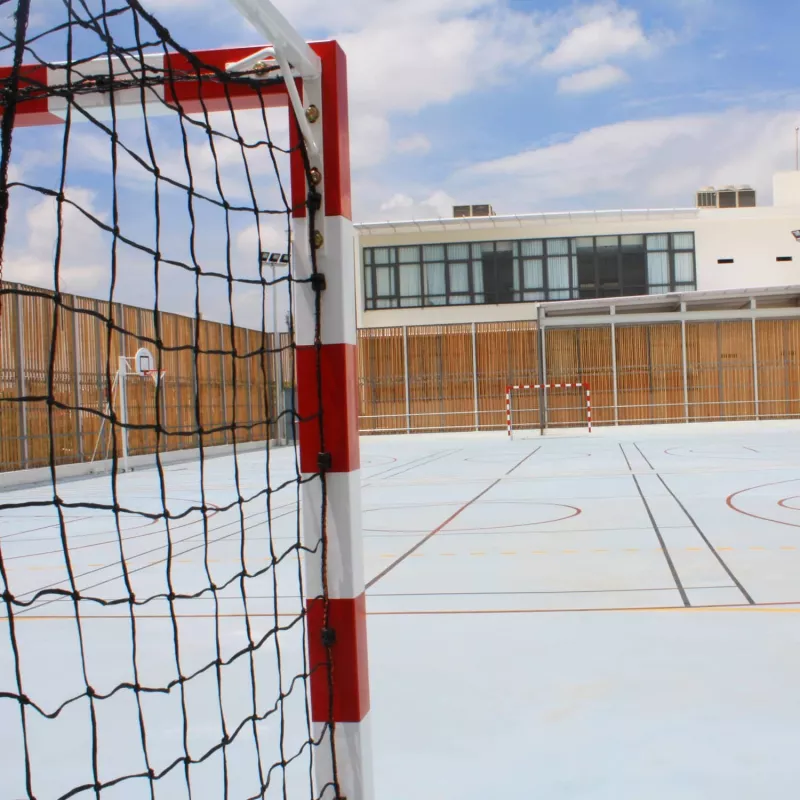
<point x="311" y="81"/>
<point x="582" y="387"/>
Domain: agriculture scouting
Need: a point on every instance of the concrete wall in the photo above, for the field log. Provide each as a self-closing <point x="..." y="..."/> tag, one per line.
<point x="753" y="237"/>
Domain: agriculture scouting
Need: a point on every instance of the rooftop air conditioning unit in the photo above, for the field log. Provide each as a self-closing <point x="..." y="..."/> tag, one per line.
<point x="727" y="197"/>
<point x="707" y="197"/>
<point x="746" y="197"/>
<point x="473" y="211"/>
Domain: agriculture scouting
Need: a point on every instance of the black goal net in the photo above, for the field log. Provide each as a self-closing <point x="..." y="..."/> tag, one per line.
<point x="152" y="631"/>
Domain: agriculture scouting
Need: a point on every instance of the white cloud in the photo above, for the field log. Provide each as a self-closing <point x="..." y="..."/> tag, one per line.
<point x="595" y="79"/>
<point x="654" y="162"/>
<point x="402" y="206"/>
<point x="84" y="252"/>
<point x="418" y="143"/>
<point x="370" y="136"/>
<point x="607" y="32"/>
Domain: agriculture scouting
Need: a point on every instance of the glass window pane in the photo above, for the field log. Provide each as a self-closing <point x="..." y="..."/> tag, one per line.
<point x="657" y="268"/>
<point x="532" y="247"/>
<point x="367" y="255"/>
<point x="575" y="275"/>
<point x="532" y="297"/>
<point x="383" y="304"/>
<point x="683" y="241"/>
<point x="659" y="242"/>
<point x="368" y="282"/>
<point x="476" y="250"/>
<point x="459" y="300"/>
<point x="558" y="272"/>
<point x="503" y="247"/>
<point x="633" y="242"/>
<point x="459" y="277"/>
<point x="433" y="252"/>
<point x="560" y="294"/>
<point x="533" y="273"/>
<point x="408" y="255"/>
<point x="684" y="267"/>
<point x="658" y="290"/>
<point x="384" y="277"/>
<point x="381" y="255"/>
<point x="458" y="251"/>
<point x="434" y="280"/>
<point x="410" y="302"/>
<point x="558" y="247"/>
<point x="634" y="272"/>
<point x="410" y="283"/>
<point x="606" y="242"/>
<point x="586" y="243"/>
<point x="515" y="273"/>
<point x="437" y="300"/>
<point x="477" y="280"/>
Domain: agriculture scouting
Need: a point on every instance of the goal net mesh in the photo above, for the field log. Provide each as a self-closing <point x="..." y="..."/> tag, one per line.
<point x="152" y="634"/>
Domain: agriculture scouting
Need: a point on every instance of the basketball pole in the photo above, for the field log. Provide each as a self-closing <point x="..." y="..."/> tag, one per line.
<point x="123" y="408"/>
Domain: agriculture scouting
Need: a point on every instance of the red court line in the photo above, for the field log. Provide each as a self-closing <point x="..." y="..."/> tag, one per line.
<point x="729" y="501"/>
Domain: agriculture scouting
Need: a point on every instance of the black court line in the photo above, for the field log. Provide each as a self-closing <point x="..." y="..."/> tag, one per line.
<point x="644" y="456"/>
<point x="436" y="530"/>
<point x="535" y="451"/>
<point x="625" y="456"/>
<point x="664" y="550"/>
<point x="399" y="469"/>
<point x="713" y="550"/>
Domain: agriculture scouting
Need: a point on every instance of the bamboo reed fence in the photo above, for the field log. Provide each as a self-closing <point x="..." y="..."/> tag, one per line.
<point x="55" y="387"/>
<point x="59" y="357"/>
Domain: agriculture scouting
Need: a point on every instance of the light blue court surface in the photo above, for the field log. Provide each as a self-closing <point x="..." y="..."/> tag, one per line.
<point x="612" y="615"/>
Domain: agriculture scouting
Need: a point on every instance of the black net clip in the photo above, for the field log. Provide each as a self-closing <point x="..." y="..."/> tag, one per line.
<point x="324" y="461"/>
<point x="314" y="201"/>
<point x="318" y="282"/>
<point x="328" y="636"/>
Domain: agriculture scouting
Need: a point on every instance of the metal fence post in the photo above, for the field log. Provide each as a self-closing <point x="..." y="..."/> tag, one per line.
<point x="475" y="375"/>
<point x="222" y="375"/>
<point x="755" y="359"/>
<point x="249" y="387"/>
<point x="542" y="372"/>
<point x="405" y="383"/>
<point x="685" y="369"/>
<point x="614" y="367"/>
<point x="22" y="387"/>
<point x="77" y="388"/>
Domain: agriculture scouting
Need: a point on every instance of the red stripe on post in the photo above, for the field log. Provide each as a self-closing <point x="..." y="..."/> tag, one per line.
<point x="338" y="367"/>
<point x="36" y="110"/>
<point x="347" y="619"/>
<point x="336" y="138"/>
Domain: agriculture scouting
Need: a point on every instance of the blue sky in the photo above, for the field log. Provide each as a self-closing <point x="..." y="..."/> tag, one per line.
<point x="537" y="106"/>
<point x="530" y="106"/>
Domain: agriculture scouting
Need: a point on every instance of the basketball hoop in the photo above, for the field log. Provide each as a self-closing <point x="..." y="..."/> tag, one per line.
<point x="156" y="375"/>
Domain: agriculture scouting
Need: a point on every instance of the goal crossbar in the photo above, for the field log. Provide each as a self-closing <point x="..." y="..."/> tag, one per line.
<point x="582" y="385"/>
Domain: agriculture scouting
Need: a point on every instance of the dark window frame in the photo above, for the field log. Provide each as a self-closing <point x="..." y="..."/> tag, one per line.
<point x="396" y="300"/>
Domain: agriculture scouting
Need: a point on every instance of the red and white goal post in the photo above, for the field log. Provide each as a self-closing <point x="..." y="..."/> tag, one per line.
<point x="314" y="88"/>
<point x="545" y="388"/>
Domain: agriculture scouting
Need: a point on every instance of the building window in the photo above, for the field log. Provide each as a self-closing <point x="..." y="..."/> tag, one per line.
<point x="528" y="270"/>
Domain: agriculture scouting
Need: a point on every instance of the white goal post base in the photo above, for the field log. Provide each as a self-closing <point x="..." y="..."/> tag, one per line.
<point x="546" y="387"/>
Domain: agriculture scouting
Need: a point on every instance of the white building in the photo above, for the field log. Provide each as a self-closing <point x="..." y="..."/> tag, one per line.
<point x="495" y="268"/>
